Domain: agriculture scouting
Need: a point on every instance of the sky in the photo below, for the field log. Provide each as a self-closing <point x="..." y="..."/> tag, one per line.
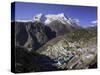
<point x="86" y="15"/>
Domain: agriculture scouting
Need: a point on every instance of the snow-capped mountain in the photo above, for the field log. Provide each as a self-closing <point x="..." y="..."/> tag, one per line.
<point x="58" y="23"/>
<point x="47" y="19"/>
<point x="53" y="17"/>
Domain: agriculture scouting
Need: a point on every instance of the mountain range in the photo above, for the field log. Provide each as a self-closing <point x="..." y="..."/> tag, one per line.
<point x="54" y="42"/>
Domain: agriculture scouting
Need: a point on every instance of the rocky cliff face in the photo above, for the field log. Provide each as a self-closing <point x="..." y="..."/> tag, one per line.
<point x="32" y="35"/>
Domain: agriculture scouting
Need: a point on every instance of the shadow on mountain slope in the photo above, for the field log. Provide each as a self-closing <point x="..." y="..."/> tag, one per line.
<point x="30" y="62"/>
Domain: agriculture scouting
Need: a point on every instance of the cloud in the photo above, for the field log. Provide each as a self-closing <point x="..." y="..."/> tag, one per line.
<point x="94" y="22"/>
<point x="23" y="20"/>
<point x="77" y="20"/>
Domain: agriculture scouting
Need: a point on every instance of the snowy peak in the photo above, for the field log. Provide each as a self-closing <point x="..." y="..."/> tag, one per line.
<point x="46" y="19"/>
<point x="60" y="18"/>
<point x="37" y="17"/>
<point x="52" y="17"/>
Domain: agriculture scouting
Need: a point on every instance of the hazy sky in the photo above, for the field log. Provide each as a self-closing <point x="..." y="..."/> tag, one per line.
<point x="85" y="14"/>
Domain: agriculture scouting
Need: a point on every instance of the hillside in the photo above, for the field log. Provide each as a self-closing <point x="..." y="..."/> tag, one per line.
<point x="75" y="50"/>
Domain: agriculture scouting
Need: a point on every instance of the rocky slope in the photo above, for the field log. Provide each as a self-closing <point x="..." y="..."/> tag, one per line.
<point x="75" y="50"/>
<point x="32" y="35"/>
